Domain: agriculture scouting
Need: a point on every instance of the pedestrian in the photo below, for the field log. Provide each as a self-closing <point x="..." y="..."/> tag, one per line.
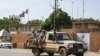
<point x="33" y="34"/>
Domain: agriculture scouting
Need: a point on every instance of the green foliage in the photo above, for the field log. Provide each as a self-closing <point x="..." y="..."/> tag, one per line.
<point x="6" y="21"/>
<point x="62" y="20"/>
<point x="86" y="20"/>
<point x="14" y="19"/>
<point x="35" y="22"/>
<point x="47" y="25"/>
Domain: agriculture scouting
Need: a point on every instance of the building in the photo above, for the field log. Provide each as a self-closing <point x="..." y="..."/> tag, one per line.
<point x="23" y="28"/>
<point x="78" y="26"/>
<point x="86" y="26"/>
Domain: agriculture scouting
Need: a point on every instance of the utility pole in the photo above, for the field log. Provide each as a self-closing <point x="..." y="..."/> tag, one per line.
<point x="55" y="12"/>
<point x="72" y="10"/>
<point x="77" y="11"/>
<point x="83" y="9"/>
<point x="55" y="9"/>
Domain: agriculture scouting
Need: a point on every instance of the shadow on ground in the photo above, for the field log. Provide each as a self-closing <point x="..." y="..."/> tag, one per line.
<point x="47" y="55"/>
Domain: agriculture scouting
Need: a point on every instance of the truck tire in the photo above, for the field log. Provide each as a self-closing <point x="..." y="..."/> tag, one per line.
<point x="80" y="54"/>
<point x="36" y="52"/>
<point x="63" y="52"/>
<point x="50" y="54"/>
<point x="2" y="46"/>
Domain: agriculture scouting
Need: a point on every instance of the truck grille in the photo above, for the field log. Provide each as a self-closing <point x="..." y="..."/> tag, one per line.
<point x="78" y="45"/>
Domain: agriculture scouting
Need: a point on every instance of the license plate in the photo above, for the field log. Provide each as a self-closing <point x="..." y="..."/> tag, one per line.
<point x="80" y="50"/>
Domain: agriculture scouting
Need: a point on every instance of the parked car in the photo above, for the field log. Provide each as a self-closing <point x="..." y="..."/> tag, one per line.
<point x="5" y="44"/>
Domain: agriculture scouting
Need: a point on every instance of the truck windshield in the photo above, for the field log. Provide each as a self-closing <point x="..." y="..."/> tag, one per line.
<point x="62" y="36"/>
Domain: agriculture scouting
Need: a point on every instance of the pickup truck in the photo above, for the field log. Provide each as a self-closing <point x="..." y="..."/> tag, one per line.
<point x="58" y="42"/>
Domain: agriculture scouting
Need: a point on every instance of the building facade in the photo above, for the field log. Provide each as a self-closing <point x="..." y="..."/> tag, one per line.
<point x="86" y="26"/>
<point x="78" y="26"/>
<point x="23" y="28"/>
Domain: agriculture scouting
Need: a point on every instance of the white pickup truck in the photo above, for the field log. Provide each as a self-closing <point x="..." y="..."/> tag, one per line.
<point x="58" y="42"/>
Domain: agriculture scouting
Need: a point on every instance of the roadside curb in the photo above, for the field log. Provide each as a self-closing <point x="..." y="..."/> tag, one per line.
<point x="93" y="52"/>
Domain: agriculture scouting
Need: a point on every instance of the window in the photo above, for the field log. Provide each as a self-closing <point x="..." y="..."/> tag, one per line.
<point x="51" y="37"/>
<point x="62" y="36"/>
<point x="59" y="36"/>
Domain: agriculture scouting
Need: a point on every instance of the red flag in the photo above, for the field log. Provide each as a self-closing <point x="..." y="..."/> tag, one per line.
<point x="22" y="14"/>
<point x="27" y="10"/>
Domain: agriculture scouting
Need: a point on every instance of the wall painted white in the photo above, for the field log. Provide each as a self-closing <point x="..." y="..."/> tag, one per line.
<point x="84" y="38"/>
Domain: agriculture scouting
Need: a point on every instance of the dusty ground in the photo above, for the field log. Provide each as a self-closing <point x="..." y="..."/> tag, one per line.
<point x="27" y="52"/>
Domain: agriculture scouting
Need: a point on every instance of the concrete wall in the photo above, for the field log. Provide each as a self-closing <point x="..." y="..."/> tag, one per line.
<point x="95" y="41"/>
<point x="93" y="26"/>
<point x="20" y="40"/>
<point x="84" y="38"/>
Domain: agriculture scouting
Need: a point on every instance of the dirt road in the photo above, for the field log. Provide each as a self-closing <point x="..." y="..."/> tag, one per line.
<point x="27" y="52"/>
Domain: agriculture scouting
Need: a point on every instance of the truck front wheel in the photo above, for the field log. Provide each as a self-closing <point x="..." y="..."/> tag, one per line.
<point x="79" y="54"/>
<point x="36" y="52"/>
<point x="63" y="52"/>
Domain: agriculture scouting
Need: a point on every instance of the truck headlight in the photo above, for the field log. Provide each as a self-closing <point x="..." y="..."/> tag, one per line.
<point x="71" y="46"/>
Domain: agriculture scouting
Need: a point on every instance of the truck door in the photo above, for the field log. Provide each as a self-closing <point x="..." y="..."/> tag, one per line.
<point x="51" y="44"/>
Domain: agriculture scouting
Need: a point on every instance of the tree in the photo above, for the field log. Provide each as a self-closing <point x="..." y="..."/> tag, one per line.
<point x="14" y="19"/>
<point x="1" y="24"/>
<point x="62" y="20"/>
<point x="35" y="22"/>
<point x="47" y="25"/>
<point x="6" y="21"/>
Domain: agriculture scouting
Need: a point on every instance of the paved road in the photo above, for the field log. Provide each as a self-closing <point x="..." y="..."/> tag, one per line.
<point x="27" y="52"/>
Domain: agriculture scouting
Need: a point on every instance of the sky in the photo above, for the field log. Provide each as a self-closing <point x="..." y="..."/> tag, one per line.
<point x="41" y="9"/>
